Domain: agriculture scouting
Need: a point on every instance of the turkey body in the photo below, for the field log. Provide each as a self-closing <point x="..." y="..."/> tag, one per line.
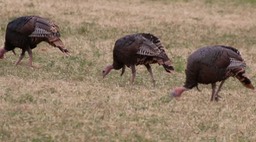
<point x="212" y="64"/>
<point x="138" y="49"/>
<point x="27" y="32"/>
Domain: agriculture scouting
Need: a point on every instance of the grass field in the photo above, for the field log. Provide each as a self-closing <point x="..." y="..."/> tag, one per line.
<point x="66" y="98"/>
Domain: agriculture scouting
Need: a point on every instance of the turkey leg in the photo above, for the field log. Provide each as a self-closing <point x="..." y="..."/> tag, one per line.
<point x="151" y="74"/>
<point x="123" y="70"/>
<point x="30" y="57"/>
<point x="133" y="73"/>
<point x="216" y="93"/>
<point x="213" y="91"/>
<point x="21" y="56"/>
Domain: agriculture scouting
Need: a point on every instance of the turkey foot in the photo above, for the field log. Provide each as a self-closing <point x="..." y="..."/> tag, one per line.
<point x="216" y="97"/>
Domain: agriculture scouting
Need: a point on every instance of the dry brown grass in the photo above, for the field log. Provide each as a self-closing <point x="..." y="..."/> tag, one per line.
<point x="66" y="99"/>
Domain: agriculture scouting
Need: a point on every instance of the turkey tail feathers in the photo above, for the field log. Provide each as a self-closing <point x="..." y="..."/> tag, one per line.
<point x="165" y="61"/>
<point x="168" y="66"/>
<point x="153" y="39"/>
<point x="245" y="81"/>
<point x="237" y="67"/>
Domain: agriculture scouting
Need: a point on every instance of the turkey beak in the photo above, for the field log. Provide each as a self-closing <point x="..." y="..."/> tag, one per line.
<point x="174" y="94"/>
<point x="104" y="73"/>
<point x="178" y="91"/>
<point x="106" y="70"/>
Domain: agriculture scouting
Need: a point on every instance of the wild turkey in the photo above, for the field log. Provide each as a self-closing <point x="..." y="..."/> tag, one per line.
<point x="211" y="64"/>
<point x="138" y="49"/>
<point x="28" y="31"/>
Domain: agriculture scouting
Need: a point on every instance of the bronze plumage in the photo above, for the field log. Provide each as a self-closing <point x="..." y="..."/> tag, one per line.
<point x="138" y="49"/>
<point x="28" y="31"/>
<point x="212" y="64"/>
